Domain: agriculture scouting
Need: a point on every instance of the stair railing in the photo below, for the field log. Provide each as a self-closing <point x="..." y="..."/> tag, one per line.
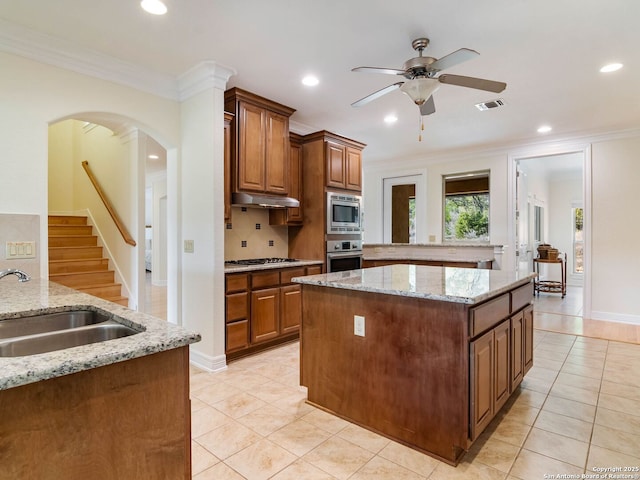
<point x="114" y="215"/>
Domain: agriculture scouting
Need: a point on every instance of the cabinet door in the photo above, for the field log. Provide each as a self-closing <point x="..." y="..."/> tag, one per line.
<point x="291" y="312"/>
<point x="277" y="154"/>
<point x="227" y="167"/>
<point x="353" y="180"/>
<point x="335" y="165"/>
<point x="482" y="373"/>
<point x="265" y="312"/>
<point x="294" y="215"/>
<point x="517" y="350"/>
<point x="528" y="338"/>
<point x="502" y="375"/>
<point x="251" y="146"/>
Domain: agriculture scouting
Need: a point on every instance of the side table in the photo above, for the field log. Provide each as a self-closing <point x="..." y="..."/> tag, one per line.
<point x="551" y="286"/>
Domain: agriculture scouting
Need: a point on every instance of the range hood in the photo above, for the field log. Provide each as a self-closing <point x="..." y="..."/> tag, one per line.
<point x="262" y="200"/>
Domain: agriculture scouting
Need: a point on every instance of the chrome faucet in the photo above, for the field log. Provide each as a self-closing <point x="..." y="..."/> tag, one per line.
<point x="22" y="276"/>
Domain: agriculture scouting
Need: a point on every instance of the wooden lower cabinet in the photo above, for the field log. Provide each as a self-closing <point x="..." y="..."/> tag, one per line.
<point x="491" y="377"/>
<point x="126" y="420"/>
<point x="498" y="365"/>
<point x="291" y="308"/>
<point x="265" y="314"/>
<point x="528" y="338"/>
<point x="263" y="308"/>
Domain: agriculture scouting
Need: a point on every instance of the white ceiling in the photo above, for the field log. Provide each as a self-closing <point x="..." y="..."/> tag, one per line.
<point x="548" y="52"/>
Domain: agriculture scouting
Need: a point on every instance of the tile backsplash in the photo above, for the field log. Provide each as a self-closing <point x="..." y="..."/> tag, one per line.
<point x="20" y="228"/>
<point x="249" y="235"/>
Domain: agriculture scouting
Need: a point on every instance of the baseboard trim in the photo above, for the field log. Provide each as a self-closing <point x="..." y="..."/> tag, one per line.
<point x="616" y="317"/>
<point x="207" y="362"/>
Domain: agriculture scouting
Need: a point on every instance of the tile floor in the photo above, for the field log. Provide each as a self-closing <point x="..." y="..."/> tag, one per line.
<point x="577" y="408"/>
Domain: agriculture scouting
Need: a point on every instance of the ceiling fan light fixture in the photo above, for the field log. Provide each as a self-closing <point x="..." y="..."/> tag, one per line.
<point x="420" y="89"/>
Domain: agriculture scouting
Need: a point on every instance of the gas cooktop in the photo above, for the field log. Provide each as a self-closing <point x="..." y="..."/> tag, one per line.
<point x="259" y="261"/>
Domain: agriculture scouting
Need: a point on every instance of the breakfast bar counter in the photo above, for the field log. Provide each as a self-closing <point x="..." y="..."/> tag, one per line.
<point x="113" y="409"/>
<point x="424" y="355"/>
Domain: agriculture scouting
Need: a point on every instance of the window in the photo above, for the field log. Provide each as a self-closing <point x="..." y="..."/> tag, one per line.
<point x="412" y="219"/>
<point x="466" y="207"/>
<point x="578" y="240"/>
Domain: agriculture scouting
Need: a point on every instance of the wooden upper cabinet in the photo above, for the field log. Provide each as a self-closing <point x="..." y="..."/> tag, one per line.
<point x="277" y="153"/>
<point x="259" y="143"/>
<point x="251" y="148"/>
<point x="343" y="168"/>
<point x="336" y="160"/>
<point x="227" y="166"/>
<point x="353" y="169"/>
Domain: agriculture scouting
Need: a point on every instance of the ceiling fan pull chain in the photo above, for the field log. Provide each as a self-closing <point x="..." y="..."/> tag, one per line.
<point x="421" y="127"/>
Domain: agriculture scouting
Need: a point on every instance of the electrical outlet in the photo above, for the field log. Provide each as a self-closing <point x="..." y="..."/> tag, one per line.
<point x="432" y="238"/>
<point x="451" y="251"/>
<point x="188" y="246"/>
<point x="358" y="325"/>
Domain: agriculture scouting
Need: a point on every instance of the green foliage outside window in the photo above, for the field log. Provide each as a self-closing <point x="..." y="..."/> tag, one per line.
<point x="467" y="217"/>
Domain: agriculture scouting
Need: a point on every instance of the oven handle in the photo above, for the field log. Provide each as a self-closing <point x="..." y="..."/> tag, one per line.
<point x="351" y="253"/>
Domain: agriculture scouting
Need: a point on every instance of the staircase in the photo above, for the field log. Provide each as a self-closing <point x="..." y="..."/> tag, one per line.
<point x="75" y="259"/>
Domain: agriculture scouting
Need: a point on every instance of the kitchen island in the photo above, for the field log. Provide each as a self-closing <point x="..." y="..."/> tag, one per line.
<point x="111" y="410"/>
<point x="424" y="355"/>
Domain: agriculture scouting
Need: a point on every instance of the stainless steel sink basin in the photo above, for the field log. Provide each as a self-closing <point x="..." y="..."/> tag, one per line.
<point x="51" y="322"/>
<point x="57" y="331"/>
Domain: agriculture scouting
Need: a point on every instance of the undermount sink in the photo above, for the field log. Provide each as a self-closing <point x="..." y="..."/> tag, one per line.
<point x="49" y="322"/>
<point x="57" y="331"/>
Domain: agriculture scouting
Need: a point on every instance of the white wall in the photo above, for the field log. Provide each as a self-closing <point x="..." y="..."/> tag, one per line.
<point x="612" y="236"/>
<point x="563" y="194"/>
<point x="32" y="96"/>
<point x="431" y="174"/>
<point x="615" y="258"/>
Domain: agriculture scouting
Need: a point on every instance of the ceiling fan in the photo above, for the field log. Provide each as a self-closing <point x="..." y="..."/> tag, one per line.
<point x="422" y="82"/>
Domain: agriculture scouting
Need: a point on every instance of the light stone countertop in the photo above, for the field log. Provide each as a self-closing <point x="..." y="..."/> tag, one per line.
<point x="39" y="296"/>
<point x="449" y="284"/>
<point x="270" y="266"/>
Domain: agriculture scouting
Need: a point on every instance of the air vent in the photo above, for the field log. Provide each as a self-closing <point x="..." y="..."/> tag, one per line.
<point x="490" y="104"/>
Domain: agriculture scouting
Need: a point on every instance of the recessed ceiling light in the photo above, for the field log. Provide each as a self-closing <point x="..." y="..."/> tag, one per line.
<point x="391" y="118"/>
<point x="153" y="157"/>
<point x="612" y="67"/>
<point x="155" y="7"/>
<point x="544" y="129"/>
<point x="310" y="81"/>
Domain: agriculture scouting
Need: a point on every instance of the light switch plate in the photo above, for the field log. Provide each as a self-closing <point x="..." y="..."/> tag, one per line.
<point x="188" y="246"/>
<point x="17" y="250"/>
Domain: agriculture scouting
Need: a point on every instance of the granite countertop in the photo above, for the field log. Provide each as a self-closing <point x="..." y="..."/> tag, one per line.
<point x="436" y="245"/>
<point x="427" y="258"/>
<point x="269" y="266"/>
<point x="449" y="284"/>
<point x="39" y="296"/>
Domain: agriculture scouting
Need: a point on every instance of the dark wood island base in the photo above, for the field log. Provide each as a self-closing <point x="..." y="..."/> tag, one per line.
<point x="430" y="374"/>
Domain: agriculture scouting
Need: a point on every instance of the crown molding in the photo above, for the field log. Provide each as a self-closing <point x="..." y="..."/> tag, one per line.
<point x="203" y="76"/>
<point x="43" y="48"/>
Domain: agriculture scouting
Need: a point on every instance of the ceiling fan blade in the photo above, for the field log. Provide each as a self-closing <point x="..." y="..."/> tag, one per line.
<point x="388" y="71"/>
<point x="454" y="58"/>
<point x="378" y="94"/>
<point x="472" y="82"/>
<point x="428" y="107"/>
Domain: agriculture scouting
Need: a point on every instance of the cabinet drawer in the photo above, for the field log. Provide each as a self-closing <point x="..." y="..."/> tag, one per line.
<point x="287" y="275"/>
<point x="237" y="282"/>
<point x="314" y="270"/>
<point x="489" y="314"/>
<point x="265" y="279"/>
<point x="521" y="296"/>
<point x="237" y="335"/>
<point x="237" y="306"/>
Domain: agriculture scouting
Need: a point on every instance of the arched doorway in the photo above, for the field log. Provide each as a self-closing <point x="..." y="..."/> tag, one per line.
<point x="119" y="148"/>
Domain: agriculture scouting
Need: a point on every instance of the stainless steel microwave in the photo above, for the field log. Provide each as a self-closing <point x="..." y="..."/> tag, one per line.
<point x="343" y="213"/>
